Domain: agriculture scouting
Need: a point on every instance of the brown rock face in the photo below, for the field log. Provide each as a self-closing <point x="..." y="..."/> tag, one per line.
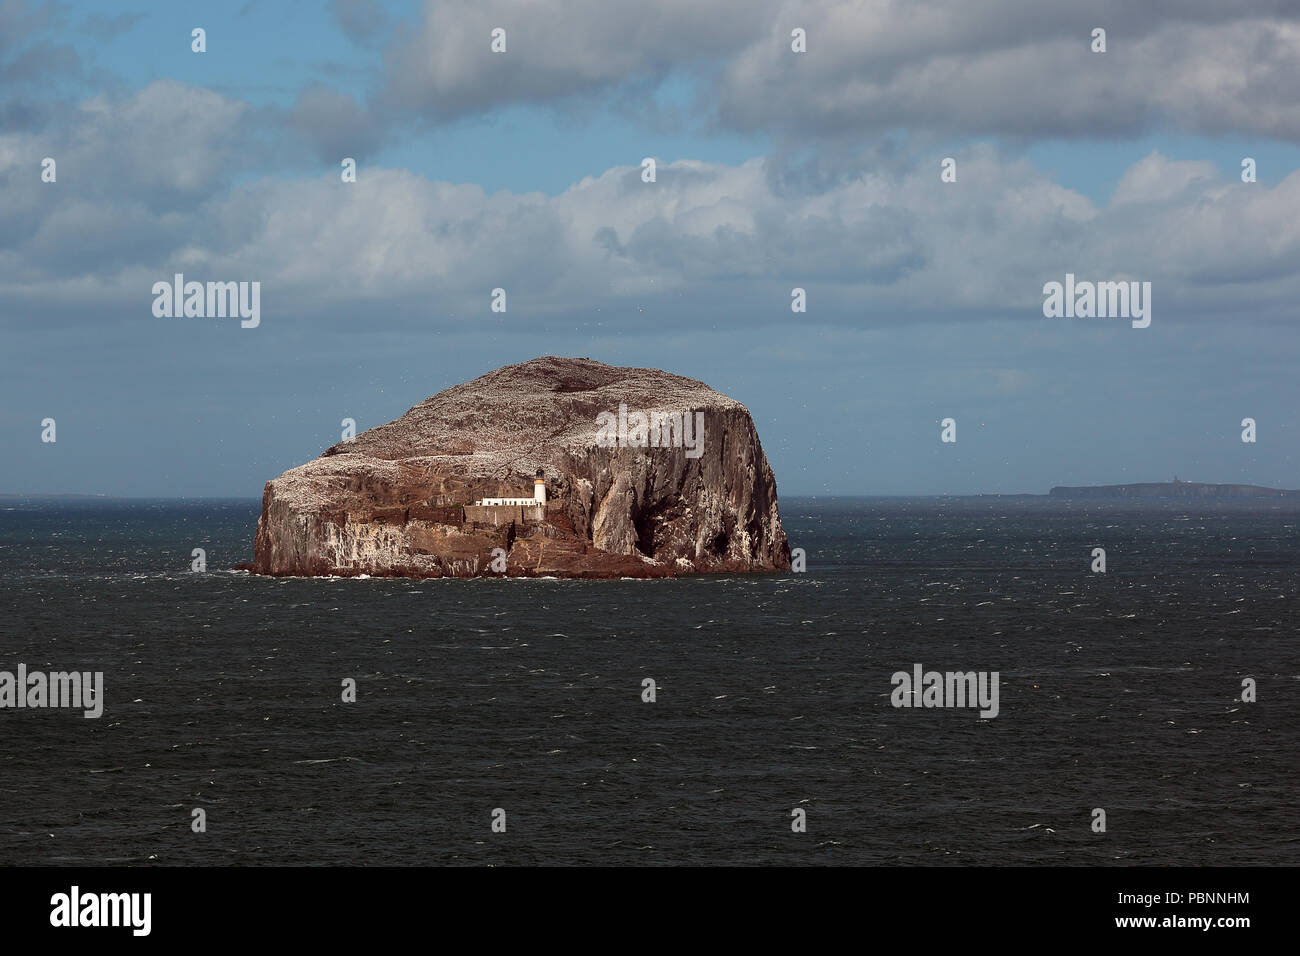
<point x="393" y="500"/>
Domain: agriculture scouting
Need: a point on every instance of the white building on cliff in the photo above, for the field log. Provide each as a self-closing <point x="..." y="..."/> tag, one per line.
<point x="538" y="498"/>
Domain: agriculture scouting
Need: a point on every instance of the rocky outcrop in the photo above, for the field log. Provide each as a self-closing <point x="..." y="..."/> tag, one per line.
<point x="1172" y="489"/>
<point x="392" y="500"/>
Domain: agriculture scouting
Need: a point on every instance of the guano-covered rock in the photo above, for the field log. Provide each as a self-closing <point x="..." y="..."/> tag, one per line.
<point x="451" y="487"/>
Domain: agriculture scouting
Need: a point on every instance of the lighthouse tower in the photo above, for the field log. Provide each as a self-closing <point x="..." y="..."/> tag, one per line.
<point x="539" y="489"/>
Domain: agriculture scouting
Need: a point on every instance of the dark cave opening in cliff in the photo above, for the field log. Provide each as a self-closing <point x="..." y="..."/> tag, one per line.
<point x="645" y="524"/>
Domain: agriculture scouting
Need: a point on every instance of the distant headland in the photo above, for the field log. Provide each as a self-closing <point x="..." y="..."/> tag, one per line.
<point x="1172" y="489"/>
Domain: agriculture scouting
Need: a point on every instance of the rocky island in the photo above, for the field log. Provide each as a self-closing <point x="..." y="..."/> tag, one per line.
<point x="558" y="467"/>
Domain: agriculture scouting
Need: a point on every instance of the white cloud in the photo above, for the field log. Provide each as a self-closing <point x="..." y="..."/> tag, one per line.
<point x="446" y="66"/>
<point x="706" y="242"/>
<point x="999" y="67"/>
<point x="1155" y="178"/>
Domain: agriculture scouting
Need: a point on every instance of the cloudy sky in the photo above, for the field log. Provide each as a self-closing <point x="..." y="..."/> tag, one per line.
<point x="775" y="169"/>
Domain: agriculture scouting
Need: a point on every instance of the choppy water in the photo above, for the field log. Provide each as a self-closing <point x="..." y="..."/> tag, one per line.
<point x="1118" y="691"/>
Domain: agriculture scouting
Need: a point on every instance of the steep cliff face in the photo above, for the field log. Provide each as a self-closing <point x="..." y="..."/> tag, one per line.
<point x="391" y="500"/>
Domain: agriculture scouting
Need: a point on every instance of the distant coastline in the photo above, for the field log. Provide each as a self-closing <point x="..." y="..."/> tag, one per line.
<point x="1172" y="489"/>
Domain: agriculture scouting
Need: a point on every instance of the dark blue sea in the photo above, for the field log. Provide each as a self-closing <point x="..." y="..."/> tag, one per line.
<point x="1120" y="691"/>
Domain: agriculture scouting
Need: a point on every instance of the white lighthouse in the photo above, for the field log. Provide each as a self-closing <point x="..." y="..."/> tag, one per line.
<point x="539" y="489"/>
<point x="537" y="502"/>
